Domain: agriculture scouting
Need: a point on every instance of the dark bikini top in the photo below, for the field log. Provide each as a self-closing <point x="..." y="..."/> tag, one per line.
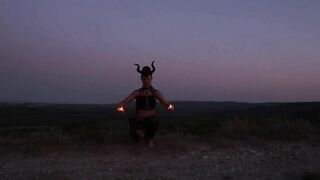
<point x="146" y="99"/>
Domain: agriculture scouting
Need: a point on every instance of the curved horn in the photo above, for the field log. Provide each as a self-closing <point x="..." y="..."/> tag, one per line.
<point x="138" y="68"/>
<point x="153" y="68"/>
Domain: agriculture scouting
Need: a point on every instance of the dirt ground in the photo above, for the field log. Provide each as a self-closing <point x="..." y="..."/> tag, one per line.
<point x="168" y="160"/>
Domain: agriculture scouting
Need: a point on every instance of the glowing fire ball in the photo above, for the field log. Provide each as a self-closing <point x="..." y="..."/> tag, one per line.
<point x="121" y="109"/>
<point x="171" y="107"/>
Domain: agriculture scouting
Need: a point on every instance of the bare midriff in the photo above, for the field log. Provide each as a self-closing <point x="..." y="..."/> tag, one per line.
<point x="145" y="113"/>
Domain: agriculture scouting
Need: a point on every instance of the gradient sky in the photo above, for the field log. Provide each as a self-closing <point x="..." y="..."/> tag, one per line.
<point x="83" y="51"/>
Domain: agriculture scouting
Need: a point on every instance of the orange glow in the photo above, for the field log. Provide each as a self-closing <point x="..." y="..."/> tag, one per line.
<point x="120" y="109"/>
<point x="171" y="107"/>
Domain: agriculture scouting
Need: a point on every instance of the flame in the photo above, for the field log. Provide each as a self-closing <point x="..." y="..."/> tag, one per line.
<point x="121" y="109"/>
<point x="171" y="107"/>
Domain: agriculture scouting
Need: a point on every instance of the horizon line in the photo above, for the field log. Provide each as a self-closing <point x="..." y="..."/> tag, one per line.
<point x="177" y="101"/>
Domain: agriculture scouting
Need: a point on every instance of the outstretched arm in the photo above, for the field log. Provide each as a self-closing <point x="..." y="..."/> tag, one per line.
<point x="128" y="99"/>
<point x="163" y="100"/>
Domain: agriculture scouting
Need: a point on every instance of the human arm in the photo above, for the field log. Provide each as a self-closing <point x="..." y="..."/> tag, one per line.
<point x="163" y="100"/>
<point x="131" y="97"/>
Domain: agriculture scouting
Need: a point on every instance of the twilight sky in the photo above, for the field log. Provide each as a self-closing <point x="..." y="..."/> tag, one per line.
<point x="83" y="51"/>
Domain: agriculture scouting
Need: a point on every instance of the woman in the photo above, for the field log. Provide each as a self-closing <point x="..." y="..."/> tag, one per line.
<point x="145" y="125"/>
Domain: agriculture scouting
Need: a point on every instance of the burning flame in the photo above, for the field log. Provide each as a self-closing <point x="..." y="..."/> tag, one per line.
<point x="171" y="107"/>
<point x="120" y="109"/>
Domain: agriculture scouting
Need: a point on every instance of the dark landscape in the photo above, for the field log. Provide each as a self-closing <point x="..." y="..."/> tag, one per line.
<point x="199" y="140"/>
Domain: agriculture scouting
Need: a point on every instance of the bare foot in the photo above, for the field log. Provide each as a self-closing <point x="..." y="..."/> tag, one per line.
<point x="150" y="144"/>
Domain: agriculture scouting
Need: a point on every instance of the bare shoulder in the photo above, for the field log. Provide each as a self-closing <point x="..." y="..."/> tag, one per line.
<point x="156" y="92"/>
<point x="135" y="92"/>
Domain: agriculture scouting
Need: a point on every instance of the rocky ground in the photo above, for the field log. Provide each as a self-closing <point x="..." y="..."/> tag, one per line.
<point x="168" y="160"/>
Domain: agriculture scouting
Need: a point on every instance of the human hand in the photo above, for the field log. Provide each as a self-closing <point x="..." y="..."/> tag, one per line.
<point x="120" y="109"/>
<point x="171" y="107"/>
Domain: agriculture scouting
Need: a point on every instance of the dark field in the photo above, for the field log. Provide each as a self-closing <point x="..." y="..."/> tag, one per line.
<point x="207" y="121"/>
<point x="31" y="129"/>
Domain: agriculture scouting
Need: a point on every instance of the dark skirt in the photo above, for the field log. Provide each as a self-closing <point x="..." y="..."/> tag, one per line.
<point x="148" y="125"/>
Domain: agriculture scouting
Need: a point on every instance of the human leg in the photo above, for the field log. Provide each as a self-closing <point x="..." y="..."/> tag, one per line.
<point x="151" y="130"/>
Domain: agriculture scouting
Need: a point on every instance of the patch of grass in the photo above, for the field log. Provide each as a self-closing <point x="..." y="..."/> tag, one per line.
<point x="88" y="124"/>
<point x="240" y="128"/>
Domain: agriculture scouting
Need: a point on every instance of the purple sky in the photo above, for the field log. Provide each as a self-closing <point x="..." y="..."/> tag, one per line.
<point x="83" y="51"/>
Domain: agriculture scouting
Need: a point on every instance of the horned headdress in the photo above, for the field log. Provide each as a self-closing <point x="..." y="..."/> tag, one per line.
<point x="146" y="70"/>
